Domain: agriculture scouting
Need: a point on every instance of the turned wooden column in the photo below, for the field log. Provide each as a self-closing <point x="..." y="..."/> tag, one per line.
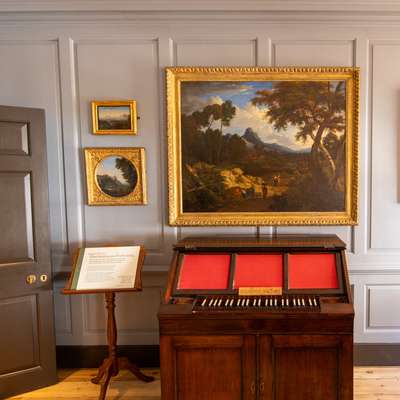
<point x="111" y="365"/>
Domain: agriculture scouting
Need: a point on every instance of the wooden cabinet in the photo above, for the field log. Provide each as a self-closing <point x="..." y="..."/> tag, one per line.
<point x="209" y="367"/>
<point x="312" y="367"/>
<point x="270" y="319"/>
<point x="257" y="367"/>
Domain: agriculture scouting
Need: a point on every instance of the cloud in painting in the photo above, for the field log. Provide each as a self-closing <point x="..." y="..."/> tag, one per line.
<point x="194" y="103"/>
<point x="252" y="116"/>
<point x="205" y="88"/>
<point x="108" y="167"/>
<point x="197" y="95"/>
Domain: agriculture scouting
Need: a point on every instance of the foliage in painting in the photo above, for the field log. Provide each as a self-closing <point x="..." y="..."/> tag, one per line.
<point x="116" y="176"/>
<point x="263" y="146"/>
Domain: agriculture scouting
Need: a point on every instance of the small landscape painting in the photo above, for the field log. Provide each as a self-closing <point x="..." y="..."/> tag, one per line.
<point x="110" y="118"/>
<point x="266" y="147"/>
<point x="114" y="117"/>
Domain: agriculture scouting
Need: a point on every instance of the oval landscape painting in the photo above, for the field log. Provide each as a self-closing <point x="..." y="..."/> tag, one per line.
<point x="116" y="176"/>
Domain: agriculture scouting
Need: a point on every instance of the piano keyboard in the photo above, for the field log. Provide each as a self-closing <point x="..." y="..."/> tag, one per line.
<point x="256" y="303"/>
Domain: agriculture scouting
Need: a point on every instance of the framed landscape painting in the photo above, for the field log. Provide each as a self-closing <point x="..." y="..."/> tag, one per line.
<point x="263" y="146"/>
<point x="114" y="117"/>
<point x="116" y="176"/>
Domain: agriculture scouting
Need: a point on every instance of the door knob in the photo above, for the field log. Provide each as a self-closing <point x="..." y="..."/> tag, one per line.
<point x="43" y="278"/>
<point x="31" y="279"/>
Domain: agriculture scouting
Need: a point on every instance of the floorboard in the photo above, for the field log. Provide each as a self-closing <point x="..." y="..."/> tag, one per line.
<point x="370" y="383"/>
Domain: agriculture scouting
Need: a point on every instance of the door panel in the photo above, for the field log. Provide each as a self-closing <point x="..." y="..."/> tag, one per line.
<point x="16" y="210"/>
<point x="14" y="138"/>
<point x="27" y="344"/>
<point x="19" y="316"/>
<point x="306" y="374"/>
<point x="208" y="367"/>
<point x="311" y="367"/>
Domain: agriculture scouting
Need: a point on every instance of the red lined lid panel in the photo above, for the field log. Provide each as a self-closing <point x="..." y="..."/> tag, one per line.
<point x="312" y="271"/>
<point x="258" y="270"/>
<point x="204" y="271"/>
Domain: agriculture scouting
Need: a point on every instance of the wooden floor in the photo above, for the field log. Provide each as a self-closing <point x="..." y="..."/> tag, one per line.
<point x="370" y="383"/>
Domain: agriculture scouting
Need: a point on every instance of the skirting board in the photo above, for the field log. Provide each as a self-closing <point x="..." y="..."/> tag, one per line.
<point x="92" y="356"/>
<point x="149" y="355"/>
<point x="375" y="354"/>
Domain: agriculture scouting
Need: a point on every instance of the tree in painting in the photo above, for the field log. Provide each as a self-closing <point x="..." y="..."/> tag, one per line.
<point x="263" y="146"/>
<point x="116" y="176"/>
<point x="317" y="110"/>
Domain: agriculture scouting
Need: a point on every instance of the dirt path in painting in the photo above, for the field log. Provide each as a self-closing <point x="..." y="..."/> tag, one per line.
<point x="255" y="204"/>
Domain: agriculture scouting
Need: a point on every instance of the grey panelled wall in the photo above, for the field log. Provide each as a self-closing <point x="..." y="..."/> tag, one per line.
<point x="62" y="61"/>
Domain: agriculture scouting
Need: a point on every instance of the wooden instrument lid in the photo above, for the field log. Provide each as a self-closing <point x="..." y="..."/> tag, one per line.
<point x="275" y="241"/>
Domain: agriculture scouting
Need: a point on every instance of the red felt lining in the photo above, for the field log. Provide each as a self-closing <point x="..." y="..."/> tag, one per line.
<point x="204" y="271"/>
<point x="258" y="270"/>
<point x="313" y="271"/>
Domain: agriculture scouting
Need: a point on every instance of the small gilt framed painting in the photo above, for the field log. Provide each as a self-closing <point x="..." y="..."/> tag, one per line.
<point x="115" y="176"/>
<point x="114" y="117"/>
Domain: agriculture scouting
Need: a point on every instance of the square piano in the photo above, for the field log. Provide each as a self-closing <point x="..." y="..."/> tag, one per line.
<point x="260" y="319"/>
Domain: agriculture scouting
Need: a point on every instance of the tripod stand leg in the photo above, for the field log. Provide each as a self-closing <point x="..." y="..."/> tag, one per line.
<point x="105" y="383"/>
<point x="124" y="363"/>
<point x="102" y="370"/>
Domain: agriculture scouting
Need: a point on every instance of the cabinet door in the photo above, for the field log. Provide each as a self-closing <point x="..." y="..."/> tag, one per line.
<point x="208" y="367"/>
<point x="311" y="367"/>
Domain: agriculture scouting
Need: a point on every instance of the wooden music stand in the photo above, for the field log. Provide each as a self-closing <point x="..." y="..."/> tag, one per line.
<point x="112" y="364"/>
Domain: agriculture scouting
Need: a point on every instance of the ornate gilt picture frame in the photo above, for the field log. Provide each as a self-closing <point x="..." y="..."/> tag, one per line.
<point x="116" y="176"/>
<point x="114" y="117"/>
<point x="263" y="146"/>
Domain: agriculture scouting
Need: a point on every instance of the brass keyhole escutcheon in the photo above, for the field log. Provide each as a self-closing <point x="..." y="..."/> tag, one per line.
<point x="31" y="279"/>
<point x="43" y="278"/>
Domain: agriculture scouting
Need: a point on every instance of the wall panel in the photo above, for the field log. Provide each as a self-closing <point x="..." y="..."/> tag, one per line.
<point x="112" y="70"/>
<point x="316" y="53"/>
<point x="385" y="146"/>
<point x="29" y="77"/>
<point x="61" y="64"/>
<point x="383" y="305"/>
<point x="209" y="52"/>
<point x="215" y="52"/>
<point x="313" y="53"/>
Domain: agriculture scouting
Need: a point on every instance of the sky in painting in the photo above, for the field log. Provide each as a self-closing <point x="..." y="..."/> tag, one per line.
<point x="196" y="95"/>
<point x="107" y="167"/>
<point x="113" y="112"/>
